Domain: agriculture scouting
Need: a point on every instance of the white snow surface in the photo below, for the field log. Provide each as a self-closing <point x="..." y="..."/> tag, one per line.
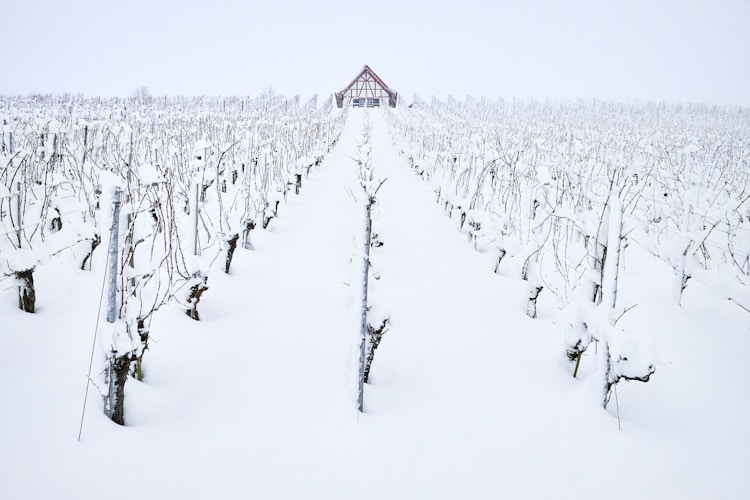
<point x="468" y="397"/>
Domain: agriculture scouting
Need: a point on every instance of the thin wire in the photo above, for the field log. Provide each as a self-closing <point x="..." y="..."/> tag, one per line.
<point x="93" y="345"/>
<point x="617" y="404"/>
<point x="31" y="187"/>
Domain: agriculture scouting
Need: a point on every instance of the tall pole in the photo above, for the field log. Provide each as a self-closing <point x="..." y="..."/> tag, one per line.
<point x="112" y="263"/>
<point x="197" y="248"/>
<point x="18" y="214"/>
<point x="365" y="279"/>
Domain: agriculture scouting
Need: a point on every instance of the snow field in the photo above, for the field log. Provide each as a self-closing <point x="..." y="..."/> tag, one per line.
<point x="469" y="398"/>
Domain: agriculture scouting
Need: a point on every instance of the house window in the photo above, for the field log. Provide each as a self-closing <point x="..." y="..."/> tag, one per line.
<point x="369" y="102"/>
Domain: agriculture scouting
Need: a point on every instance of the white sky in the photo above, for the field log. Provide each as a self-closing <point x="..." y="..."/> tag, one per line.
<point x="677" y="50"/>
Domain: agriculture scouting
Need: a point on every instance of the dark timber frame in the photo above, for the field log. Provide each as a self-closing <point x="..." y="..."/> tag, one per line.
<point x="367" y="89"/>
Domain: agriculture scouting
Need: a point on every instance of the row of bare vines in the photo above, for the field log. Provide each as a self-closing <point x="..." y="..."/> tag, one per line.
<point x="557" y="192"/>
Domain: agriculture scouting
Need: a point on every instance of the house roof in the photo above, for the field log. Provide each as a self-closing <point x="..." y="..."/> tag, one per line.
<point x="367" y="80"/>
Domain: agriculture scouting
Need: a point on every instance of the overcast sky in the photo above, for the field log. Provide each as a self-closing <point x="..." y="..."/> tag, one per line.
<point x="677" y="50"/>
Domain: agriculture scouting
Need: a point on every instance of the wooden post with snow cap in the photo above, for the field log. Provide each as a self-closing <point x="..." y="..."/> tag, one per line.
<point x="365" y="280"/>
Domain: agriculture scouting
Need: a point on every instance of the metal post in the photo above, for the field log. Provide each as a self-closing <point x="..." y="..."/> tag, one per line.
<point x="365" y="279"/>
<point x="85" y="144"/>
<point x="112" y="295"/>
<point x="55" y="153"/>
<point x="130" y="159"/>
<point x="197" y="248"/>
<point x="112" y="263"/>
<point x="18" y="214"/>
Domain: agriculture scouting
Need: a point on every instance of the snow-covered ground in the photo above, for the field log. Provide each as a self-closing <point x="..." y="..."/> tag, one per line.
<point x="469" y="398"/>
